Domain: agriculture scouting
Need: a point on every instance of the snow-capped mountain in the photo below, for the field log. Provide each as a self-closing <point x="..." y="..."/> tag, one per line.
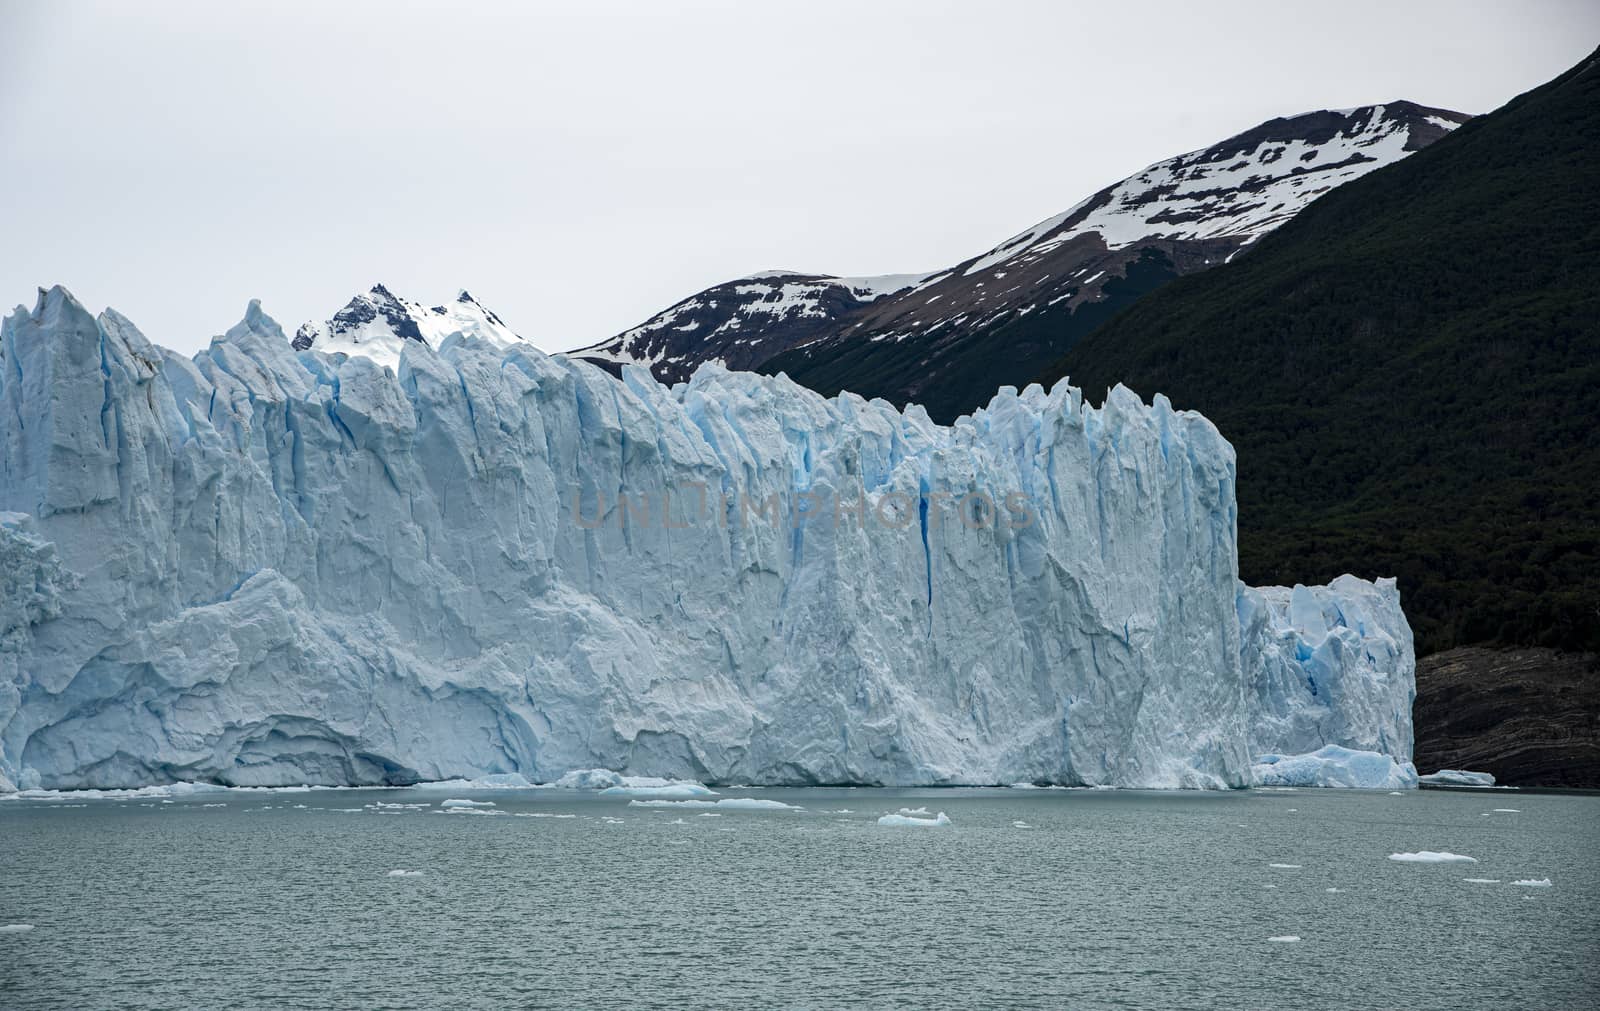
<point x="929" y="341"/>
<point x="742" y="323"/>
<point x="377" y="323"/>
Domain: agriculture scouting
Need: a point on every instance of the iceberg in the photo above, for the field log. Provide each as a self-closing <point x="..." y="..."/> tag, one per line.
<point x="1430" y="857"/>
<point x="1334" y="766"/>
<point x="262" y="566"/>
<point x="1457" y="777"/>
<point x="910" y="821"/>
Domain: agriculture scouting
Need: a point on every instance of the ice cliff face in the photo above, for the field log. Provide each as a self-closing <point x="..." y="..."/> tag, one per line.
<point x="265" y="567"/>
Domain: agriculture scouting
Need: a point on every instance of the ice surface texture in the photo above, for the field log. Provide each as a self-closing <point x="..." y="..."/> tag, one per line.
<point x="263" y="567"/>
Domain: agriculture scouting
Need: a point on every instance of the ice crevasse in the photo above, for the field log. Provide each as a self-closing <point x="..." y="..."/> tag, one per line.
<point x="264" y="567"/>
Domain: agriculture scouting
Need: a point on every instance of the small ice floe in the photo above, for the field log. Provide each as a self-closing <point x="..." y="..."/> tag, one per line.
<point x="1457" y="777"/>
<point x="347" y="810"/>
<point x="1292" y="810"/>
<point x="708" y="814"/>
<point x="400" y="873"/>
<point x="908" y="821"/>
<point x="213" y="805"/>
<point x="610" y="820"/>
<point x="1285" y="867"/>
<point x="541" y="814"/>
<point x="15" y="928"/>
<point x="613" y="784"/>
<point x="496" y="781"/>
<point x="677" y="821"/>
<point x="457" y="802"/>
<point x="1269" y="886"/>
<point x="1333" y="891"/>
<point x="725" y="804"/>
<point x="1506" y="810"/>
<point x="1285" y="939"/>
<point x="916" y="812"/>
<point x="490" y="812"/>
<point x="1533" y="882"/>
<point x="1482" y="881"/>
<point x="1020" y="824"/>
<point x="1396" y="793"/>
<point x="1430" y="857"/>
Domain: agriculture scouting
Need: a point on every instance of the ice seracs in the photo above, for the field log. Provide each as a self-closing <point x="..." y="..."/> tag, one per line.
<point x="261" y="566"/>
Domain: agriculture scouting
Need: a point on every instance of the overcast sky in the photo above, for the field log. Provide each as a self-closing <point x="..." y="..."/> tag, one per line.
<point x="579" y="167"/>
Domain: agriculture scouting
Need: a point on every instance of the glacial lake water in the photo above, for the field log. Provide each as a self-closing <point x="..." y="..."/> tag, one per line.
<point x="1105" y="899"/>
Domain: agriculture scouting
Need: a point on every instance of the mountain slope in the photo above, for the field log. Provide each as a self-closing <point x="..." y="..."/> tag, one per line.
<point x="742" y="323"/>
<point x="1410" y="372"/>
<point x="948" y="339"/>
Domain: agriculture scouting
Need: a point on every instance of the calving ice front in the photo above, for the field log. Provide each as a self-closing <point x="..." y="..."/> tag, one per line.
<point x="267" y="566"/>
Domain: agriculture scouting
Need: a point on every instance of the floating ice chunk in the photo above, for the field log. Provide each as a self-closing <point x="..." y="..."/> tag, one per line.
<point x="473" y="810"/>
<point x="1482" y="881"/>
<point x="1269" y="886"/>
<point x="213" y="805"/>
<point x="497" y="781"/>
<point x="1285" y="939"/>
<point x="677" y="821"/>
<point x="617" y="785"/>
<point x="1533" y="882"/>
<point x="1333" y="891"/>
<point x="709" y="814"/>
<point x="459" y="802"/>
<point x="1285" y="867"/>
<point x="541" y="814"/>
<point x="399" y="873"/>
<point x="15" y="928"/>
<point x="907" y="821"/>
<point x="1457" y="777"/>
<point x="916" y="812"/>
<point x="1506" y="810"/>
<point x="1430" y="857"/>
<point x="1334" y="766"/>
<point x="1020" y="824"/>
<point x="676" y="791"/>
<point x="726" y="804"/>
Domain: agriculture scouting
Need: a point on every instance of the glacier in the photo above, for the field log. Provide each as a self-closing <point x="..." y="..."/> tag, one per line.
<point x="262" y="566"/>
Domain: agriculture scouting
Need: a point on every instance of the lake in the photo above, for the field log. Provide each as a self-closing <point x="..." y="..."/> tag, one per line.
<point x="1049" y="898"/>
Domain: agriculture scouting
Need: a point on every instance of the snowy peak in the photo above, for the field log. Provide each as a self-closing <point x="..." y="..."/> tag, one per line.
<point x="1242" y="187"/>
<point x="733" y="323"/>
<point x="377" y="323"/>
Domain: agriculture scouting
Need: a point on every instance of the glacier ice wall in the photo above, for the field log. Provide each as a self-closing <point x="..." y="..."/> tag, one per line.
<point x="1329" y="665"/>
<point x="259" y="567"/>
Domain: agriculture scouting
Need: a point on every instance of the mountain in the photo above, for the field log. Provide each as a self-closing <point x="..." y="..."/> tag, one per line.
<point x="949" y="339"/>
<point x="1410" y="372"/>
<point x="742" y="323"/>
<point x="378" y="323"/>
<point x="262" y="567"/>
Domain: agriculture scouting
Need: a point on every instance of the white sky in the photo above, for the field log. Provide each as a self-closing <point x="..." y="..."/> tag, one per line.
<point x="579" y="167"/>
